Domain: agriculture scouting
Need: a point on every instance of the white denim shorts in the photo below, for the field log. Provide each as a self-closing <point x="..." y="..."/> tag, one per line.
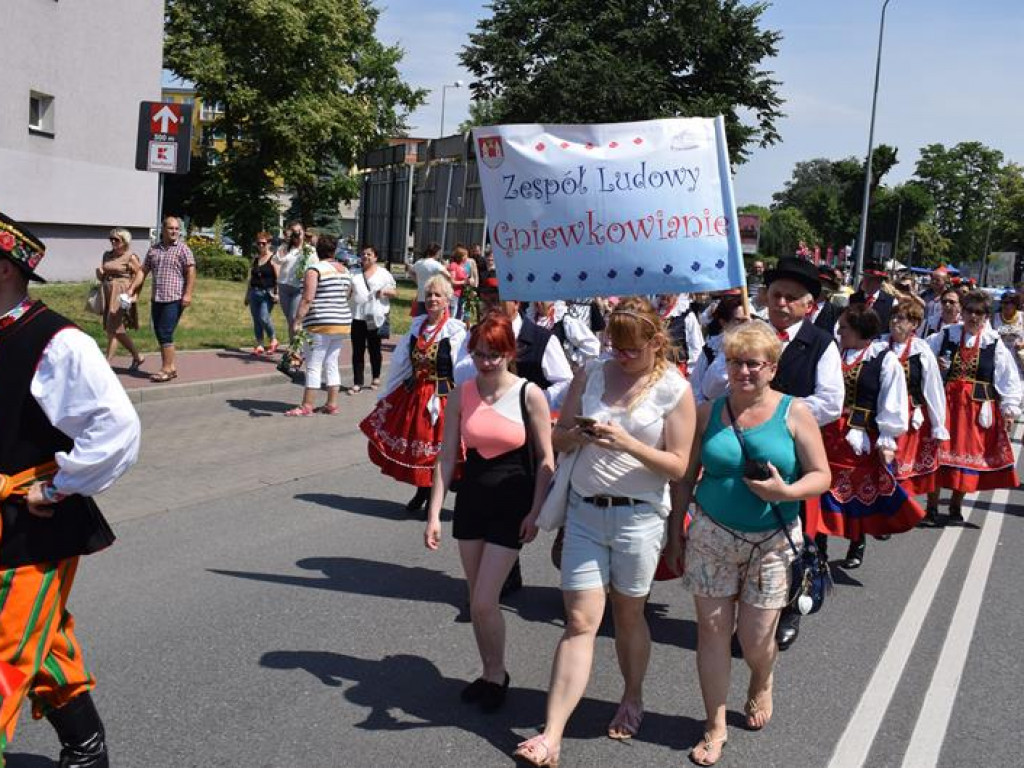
<point x="619" y="546"/>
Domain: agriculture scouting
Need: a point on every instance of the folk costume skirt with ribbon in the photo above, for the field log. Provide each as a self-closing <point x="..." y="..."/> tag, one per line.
<point x="975" y="458"/>
<point x="865" y="497"/>
<point x="917" y="459"/>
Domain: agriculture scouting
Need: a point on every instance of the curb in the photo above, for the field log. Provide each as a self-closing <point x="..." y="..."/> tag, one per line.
<point x="199" y="388"/>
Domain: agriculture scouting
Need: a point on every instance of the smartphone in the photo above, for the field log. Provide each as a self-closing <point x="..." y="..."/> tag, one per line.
<point x="584" y="422"/>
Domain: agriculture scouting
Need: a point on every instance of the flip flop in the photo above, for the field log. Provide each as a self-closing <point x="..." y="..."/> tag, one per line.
<point x="161" y="376"/>
<point x="136" y="364"/>
<point x="707" y="745"/>
<point x="626" y="723"/>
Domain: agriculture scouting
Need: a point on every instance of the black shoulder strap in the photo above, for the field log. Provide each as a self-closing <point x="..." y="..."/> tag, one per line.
<point x="527" y="427"/>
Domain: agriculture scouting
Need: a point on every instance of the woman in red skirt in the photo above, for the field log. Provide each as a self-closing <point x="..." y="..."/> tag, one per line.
<point x="407" y="424"/>
<point x="865" y="497"/>
<point x="983" y="392"/>
<point x="917" y="450"/>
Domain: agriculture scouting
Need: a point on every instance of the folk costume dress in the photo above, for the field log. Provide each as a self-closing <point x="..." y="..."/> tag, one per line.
<point x="683" y="329"/>
<point x="917" y="449"/>
<point x="406" y="426"/>
<point x="983" y="388"/>
<point x="865" y="497"/>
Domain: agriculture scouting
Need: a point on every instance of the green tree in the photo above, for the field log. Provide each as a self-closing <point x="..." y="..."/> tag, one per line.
<point x="963" y="182"/>
<point x="785" y="229"/>
<point x="930" y="248"/>
<point x="1008" y="223"/>
<point x="481" y="113"/>
<point x="304" y="85"/>
<point x="590" y="61"/>
<point x="907" y="206"/>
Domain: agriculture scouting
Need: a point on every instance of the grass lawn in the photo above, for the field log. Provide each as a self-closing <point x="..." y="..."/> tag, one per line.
<point x="217" y="318"/>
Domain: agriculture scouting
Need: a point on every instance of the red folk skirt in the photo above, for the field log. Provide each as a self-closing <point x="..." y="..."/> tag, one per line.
<point x="865" y="497"/>
<point x="975" y="458"/>
<point x="917" y="460"/>
<point x="402" y="441"/>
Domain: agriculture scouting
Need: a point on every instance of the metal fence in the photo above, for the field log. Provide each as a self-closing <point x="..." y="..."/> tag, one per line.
<point x="436" y="200"/>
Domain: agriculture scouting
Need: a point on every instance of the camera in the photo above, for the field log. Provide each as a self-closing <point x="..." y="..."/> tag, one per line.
<point x="756" y="470"/>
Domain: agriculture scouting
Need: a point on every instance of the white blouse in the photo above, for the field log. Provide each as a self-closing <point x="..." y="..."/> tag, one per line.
<point x="1005" y="378"/>
<point x="603" y="472"/>
<point x="932" y="386"/>
<point x="892" y="410"/>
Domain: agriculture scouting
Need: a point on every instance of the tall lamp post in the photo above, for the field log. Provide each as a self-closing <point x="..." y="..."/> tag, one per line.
<point x="862" y="237"/>
<point x="444" y="92"/>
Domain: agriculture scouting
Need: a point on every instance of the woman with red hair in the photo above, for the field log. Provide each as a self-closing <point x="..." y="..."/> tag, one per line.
<point x="505" y="425"/>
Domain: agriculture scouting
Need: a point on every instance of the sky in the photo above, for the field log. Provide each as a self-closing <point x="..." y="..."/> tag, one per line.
<point x="951" y="72"/>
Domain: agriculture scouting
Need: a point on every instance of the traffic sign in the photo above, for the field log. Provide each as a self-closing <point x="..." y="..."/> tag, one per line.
<point x="165" y="136"/>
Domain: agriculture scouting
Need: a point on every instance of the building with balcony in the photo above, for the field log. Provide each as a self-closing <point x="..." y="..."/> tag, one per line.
<point x="74" y="74"/>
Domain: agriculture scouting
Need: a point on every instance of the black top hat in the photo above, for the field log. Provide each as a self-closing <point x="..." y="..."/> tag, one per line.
<point x="793" y="268"/>
<point x="20" y="246"/>
<point x="874" y="269"/>
<point x="827" y="274"/>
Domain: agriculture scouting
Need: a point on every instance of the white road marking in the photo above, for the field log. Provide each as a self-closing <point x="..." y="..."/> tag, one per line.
<point x="851" y="751"/>
<point x="933" y="720"/>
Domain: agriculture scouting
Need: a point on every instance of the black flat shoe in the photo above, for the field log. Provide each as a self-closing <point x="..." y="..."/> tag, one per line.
<point x="419" y="501"/>
<point x="930" y="519"/>
<point x="854" y="556"/>
<point x="514" y="580"/>
<point x="956" y="516"/>
<point x="788" y="630"/>
<point x="493" y="697"/>
<point x="473" y="692"/>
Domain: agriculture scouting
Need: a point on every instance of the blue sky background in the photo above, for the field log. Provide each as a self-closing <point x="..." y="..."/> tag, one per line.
<point x="951" y="71"/>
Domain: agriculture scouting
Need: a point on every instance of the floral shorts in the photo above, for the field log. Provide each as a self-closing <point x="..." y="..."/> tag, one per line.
<point x="723" y="562"/>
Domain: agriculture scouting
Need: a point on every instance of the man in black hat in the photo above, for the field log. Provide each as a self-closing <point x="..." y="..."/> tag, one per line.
<point x="825" y="314"/>
<point x="67" y="432"/>
<point x="871" y="292"/>
<point x="810" y="367"/>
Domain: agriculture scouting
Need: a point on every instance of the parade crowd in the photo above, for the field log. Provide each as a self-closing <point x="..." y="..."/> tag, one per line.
<point x="695" y="438"/>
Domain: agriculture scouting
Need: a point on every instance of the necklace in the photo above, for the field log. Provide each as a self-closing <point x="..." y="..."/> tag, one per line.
<point x="425" y="340"/>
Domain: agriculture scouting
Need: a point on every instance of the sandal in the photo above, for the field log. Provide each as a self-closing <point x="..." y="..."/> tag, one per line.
<point x="757" y="716"/>
<point x="326" y="410"/>
<point x="137" y="363"/>
<point x="355" y="389"/>
<point x="273" y="347"/>
<point x="302" y="410"/>
<point x="704" y="752"/>
<point x="258" y="350"/>
<point x="161" y="376"/>
<point x="626" y="723"/>
<point x="536" y="752"/>
<point x="374" y="384"/>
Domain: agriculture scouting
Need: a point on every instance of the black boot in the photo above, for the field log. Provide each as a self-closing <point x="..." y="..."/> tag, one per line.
<point x="821" y="544"/>
<point x="418" y="502"/>
<point x="854" y="555"/>
<point x="930" y="519"/>
<point x="81" y="735"/>
<point x="788" y="629"/>
<point x="514" y="582"/>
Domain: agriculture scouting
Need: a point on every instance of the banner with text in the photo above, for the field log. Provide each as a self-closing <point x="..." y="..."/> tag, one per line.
<point x="619" y="209"/>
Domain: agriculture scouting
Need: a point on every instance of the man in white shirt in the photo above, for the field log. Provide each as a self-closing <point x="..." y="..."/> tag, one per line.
<point x="67" y="432"/>
<point x="423" y="270"/>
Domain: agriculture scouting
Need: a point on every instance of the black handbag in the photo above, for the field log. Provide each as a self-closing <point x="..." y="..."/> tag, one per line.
<point x="810" y="579"/>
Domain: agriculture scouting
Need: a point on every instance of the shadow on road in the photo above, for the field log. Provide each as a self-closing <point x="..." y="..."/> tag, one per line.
<point x="405" y="692"/>
<point x="258" y="408"/>
<point x="389" y="510"/>
<point x="20" y="760"/>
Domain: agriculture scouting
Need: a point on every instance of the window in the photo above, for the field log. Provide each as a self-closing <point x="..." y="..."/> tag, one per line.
<point x="40" y="114"/>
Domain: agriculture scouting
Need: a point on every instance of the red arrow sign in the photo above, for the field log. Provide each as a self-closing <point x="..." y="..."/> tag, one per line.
<point x="166" y="116"/>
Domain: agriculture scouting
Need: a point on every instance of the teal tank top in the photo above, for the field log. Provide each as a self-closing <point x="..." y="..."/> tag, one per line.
<point x="722" y="494"/>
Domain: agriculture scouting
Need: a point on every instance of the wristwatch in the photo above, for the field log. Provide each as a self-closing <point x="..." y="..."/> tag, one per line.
<point x="51" y="494"/>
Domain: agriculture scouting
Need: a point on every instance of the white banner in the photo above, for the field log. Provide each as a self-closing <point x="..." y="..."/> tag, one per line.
<point x="619" y="209"/>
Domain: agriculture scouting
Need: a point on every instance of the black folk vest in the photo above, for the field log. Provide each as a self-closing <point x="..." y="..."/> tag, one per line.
<point x="530" y="345"/>
<point x="28" y="439"/>
<point x="862" y="390"/>
<point x="797" y="374"/>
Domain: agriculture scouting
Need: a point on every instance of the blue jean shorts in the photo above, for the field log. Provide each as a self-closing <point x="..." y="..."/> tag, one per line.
<point x="166" y="315"/>
<point x="617" y="546"/>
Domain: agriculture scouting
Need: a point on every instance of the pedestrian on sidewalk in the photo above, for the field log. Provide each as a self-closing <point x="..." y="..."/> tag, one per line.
<point x="292" y="260"/>
<point x="370" y="319"/>
<point x="67" y="432"/>
<point x="261" y="295"/>
<point x="116" y="272"/>
<point x="174" y="278"/>
<point x="325" y="313"/>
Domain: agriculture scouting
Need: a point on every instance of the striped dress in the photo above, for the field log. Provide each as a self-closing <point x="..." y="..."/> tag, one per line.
<point x="331" y="309"/>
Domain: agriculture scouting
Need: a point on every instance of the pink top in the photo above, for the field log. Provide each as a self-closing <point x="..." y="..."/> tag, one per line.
<point x="495" y="429"/>
<point x="458" y="272"/>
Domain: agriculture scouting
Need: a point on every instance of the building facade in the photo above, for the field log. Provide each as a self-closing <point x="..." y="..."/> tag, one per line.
<point x="73" y="76"/>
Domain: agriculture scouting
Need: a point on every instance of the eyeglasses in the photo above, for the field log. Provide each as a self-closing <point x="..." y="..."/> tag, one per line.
<point x="486" y="357"/>
<point x="115" y="239"/>
<point x="630" y="353"/>
<point x="294" y="234"/>
<point x="976" y="312"/>
<point x="262" y="242"/>
<point x="754" y="366"/>
<point x="950" y="302"/>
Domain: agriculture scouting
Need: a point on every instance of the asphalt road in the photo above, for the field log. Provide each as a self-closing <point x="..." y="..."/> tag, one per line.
<point x="268" y="603"/>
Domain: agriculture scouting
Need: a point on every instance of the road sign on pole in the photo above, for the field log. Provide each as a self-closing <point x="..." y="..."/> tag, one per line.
<point x="165" y="137"/>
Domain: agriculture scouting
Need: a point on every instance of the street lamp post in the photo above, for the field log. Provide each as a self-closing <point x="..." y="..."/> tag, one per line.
<point x="862" y="237"/>
<point x="444" y="92"/>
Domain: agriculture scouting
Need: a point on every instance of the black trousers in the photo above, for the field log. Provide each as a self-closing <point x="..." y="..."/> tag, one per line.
<point x="363" y="338"/>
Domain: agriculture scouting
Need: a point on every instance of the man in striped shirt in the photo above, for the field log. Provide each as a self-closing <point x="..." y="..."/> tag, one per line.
<point x="174" y="277"/>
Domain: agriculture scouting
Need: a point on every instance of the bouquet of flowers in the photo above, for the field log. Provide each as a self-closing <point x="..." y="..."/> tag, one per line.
<point x="293" y="358"/>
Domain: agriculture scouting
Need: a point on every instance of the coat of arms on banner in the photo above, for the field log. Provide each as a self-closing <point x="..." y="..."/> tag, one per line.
<point x="489" y="151"/>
